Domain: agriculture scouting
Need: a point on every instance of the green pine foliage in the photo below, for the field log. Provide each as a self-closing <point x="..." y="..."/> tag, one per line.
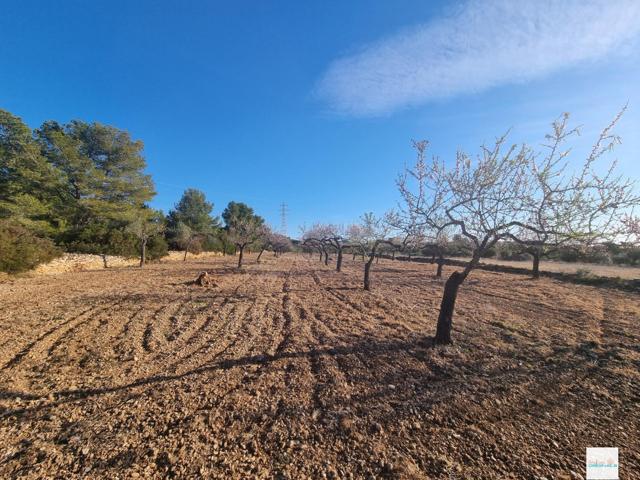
<point x="21" y="249"/>
<point x="82" y="187"/>
<point x="77" y="185"/>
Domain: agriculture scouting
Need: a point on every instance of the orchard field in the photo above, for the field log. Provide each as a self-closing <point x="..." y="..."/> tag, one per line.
<point x="288" y="369"/>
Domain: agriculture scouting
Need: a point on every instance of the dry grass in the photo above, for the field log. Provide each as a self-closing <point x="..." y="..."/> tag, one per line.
<point x="614" y="271"/>
<point x="80" y="262"/>
<point x="290" y="370"/>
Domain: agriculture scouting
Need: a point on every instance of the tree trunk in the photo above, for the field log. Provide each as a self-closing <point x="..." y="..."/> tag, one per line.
<point x="326" y="258"/>
<point x="143" y="252"/>
<point x="240" y="256"/>
<point x="445" y="318"/>
<point x="536" y="263"/>
<point x="339" y="261"/>
<point x="104" y="260"/>
<point x="377" y="258"/>
<point x="320" y="255"/>
<point x="259" y="255"/>
<point x="440" y="264"/>
<point x="367" y="273"/>
<point x="367" y="269"/>
<point x="393" y="255"/>
<point x="354" y="257"/>
<point x="409" y="256"/>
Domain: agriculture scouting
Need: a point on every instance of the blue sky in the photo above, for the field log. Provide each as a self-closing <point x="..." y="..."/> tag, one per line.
<point x="315" y="103"/>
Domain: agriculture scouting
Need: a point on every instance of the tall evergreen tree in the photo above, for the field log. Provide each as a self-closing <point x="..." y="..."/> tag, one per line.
<point x="190" y="222"/>
<point x="243" y="226"/>
<point x="29" y="185"/>
<point x="103" y="181"/>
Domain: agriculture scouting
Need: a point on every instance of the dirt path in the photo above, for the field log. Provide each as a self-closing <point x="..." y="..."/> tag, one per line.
<point x="290" y="370"/>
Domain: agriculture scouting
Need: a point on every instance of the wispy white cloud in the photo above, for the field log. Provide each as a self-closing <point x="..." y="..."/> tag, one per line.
<point x="481" y="45"/>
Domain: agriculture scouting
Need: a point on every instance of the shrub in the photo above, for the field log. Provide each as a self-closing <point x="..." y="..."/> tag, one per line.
<point x="490" y="253"/>
<point x="157" y="248"/>
<point x="627" y="256"/>
<point x="511" y="251"/>
<point x="584" y="273"/>
<point x="568" y="255"/>
<point x="21" y="250"/>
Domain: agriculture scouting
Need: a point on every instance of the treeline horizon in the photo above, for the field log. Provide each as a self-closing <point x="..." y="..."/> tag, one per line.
<point x="82" y="187"/>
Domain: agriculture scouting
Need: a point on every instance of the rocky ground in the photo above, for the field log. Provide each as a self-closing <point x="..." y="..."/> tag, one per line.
<point x="289" y="370"/>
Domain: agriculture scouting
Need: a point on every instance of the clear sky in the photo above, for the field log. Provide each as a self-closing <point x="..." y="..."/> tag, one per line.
<point x="315" y="103"/>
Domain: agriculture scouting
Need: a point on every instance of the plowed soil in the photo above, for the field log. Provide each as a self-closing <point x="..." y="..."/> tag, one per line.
<point x="289" y="370"/>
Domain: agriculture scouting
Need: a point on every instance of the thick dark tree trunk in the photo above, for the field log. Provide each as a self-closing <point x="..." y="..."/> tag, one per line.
<point x="354" y="257"/>
<point x="240" y="256"/>
<point x="320" y="255"/>
<point x="377" y="258"/>
<point x="447" y="306"/>
<point x="339" y="261"/>
<point x="393" y="255"/>
<point x="143" y="252"/>
<point x="409" y="256"/>
<point x="259" y="255"/>
<point x="367" y="272"/>
<point x="536" y="264"/>
<point x="104" y="260"/>
<point x="326" y="258"/>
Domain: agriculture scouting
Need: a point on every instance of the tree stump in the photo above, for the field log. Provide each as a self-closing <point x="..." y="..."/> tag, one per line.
<point x="204" y="280"/>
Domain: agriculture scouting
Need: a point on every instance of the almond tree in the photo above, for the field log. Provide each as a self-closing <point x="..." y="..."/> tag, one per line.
<point x="317" y="237"/>
<point x="280" y="244"/>
<point x="145" y="224"/>
<point x="274" y="241"/>
<point x="416" y="235"/>
<point x="632" y="227"/>
<point x="481" y="198"/>
<point x="336" y="237"/>
<point x="578" y="210"/>
<point x="243" y="227"/>
<point x="498" y="196"/>
<point x="326" y="236"/>
<point x="368" y="236"/>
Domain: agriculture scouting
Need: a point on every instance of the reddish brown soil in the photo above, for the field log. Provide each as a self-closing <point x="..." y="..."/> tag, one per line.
<point x="290" y="370"/>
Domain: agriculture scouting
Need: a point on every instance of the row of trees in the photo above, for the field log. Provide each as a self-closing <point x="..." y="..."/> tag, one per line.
<point x="192" y="228"/>
<point x="82" y="187"/>
<point x="536" y="199"/>
<point x="78" y="186"/>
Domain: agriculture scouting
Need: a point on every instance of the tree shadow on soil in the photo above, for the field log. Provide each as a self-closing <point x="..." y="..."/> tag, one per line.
<point x="423" y="383"/>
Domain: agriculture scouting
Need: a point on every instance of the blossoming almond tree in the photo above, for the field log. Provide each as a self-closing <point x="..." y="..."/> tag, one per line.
<point x="272" y="240"/>
<point x="368" y="236"/>
<point x="316" y="237"/>
<point x="504" y="193"/>
<point x="575" y="210"/>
